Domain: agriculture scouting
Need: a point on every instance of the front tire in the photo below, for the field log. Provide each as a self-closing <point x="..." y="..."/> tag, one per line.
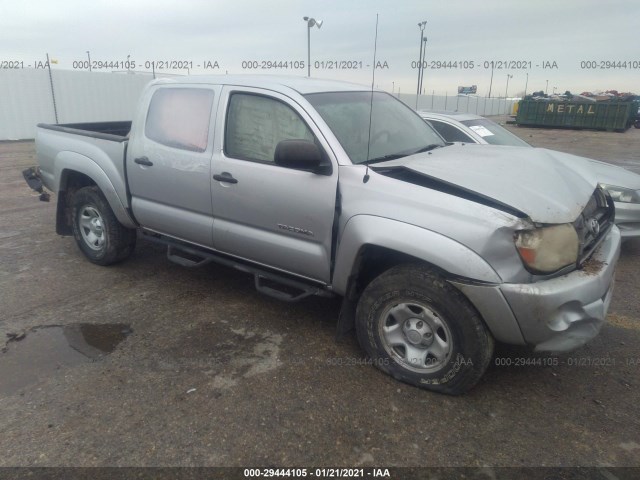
<point x="423" y="331"/>
<point x="98" y="233"/>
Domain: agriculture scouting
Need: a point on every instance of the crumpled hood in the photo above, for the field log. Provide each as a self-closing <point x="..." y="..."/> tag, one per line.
<point x="548" y="186"/>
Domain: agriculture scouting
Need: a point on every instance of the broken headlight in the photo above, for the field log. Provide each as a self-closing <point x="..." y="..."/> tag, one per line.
<point x="621" y="194"/>
<point x="548" y="249"/>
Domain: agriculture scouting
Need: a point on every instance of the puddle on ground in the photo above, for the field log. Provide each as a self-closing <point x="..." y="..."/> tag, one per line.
<point x="43" y="351"/>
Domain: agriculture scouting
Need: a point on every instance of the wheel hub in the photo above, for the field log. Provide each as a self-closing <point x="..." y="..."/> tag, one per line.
<point x="418" y="332"/>
<point x="96" y="226"/>
<point x="92" y="228"/>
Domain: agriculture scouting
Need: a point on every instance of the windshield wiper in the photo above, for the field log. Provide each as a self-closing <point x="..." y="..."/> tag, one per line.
<point x="426" y="148"/>
<point x="385" y="158"/>
<point x="394" y="156"/>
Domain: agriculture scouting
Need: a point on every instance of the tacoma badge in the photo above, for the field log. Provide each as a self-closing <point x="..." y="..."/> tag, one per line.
<point x="303" y="231"/>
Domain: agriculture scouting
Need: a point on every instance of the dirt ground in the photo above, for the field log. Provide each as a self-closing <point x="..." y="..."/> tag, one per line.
<point x="150" y="364"/>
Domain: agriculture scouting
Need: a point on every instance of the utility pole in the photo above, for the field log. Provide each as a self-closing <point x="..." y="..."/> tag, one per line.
<point x="491" y="83"/>
<point x="421" y="26"/>
<point x="424" y="53"/>
<point x="53" y="94"/>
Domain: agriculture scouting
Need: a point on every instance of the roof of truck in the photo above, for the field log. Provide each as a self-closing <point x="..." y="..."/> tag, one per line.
<point x="300" y="84"/>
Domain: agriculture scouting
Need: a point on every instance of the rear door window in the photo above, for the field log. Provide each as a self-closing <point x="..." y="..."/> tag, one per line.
<point x="179" y="118"/>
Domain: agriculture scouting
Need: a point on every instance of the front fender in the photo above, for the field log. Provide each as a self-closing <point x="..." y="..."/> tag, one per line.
<point x="429" y="246"/>
<point x="66" y="162"/>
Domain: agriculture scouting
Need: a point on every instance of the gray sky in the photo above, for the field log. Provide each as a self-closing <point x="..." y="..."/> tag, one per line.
<point x="233" y="31"/>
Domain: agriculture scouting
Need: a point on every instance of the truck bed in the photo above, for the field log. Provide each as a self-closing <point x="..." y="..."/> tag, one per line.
<point x="97" y="150"/>
<point x="115" y="131"/>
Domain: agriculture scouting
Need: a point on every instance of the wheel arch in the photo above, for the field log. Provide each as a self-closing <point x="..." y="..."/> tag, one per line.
<point x="369" y="246"/>
<point x="75" y="171"/>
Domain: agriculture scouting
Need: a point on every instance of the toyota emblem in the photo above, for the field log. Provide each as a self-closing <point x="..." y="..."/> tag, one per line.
<point x="594" y="226"/>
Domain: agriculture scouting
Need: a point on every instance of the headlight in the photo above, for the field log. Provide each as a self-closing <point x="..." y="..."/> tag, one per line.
<point x="621" y="194"/>
<point x="548" y="249"/>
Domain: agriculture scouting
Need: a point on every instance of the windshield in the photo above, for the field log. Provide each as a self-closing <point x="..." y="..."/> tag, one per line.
<point x="396" y="130"/>
<point x="493" y="133"/>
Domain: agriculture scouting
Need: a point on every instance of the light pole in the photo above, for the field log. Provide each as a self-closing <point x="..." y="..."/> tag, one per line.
<point x="554" y="90"/>
<point x="310" y="23"/>
<point x="525" y="86"/>
<point x="89" y="57"/>
<point x="506" y="90"/>
<point x="424" y="53"/>
<point x="491" y="82"/>
<point x="421" y="26"/>
<point x="546" y="89"/>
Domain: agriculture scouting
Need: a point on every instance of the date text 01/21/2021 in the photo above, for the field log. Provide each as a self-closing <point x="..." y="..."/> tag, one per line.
<point x="147" y="64"/>
<point x="317" y="472"/>
<point x="555" y="361"/>
<point x="317" y="65"/>
<point x="485" y="64"/>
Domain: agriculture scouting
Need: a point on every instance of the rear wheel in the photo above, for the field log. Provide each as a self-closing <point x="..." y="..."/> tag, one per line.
<point x="98" y="233"/>
<point x="423" y="331"/>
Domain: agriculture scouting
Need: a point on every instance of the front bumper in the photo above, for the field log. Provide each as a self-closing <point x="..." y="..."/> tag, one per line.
<point x="555" y="315"/>
<point x="628" y="219"/>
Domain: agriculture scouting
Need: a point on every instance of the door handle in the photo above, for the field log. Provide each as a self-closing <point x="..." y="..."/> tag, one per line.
<point x="225" y="177"/>
<point x="144" y="161"/>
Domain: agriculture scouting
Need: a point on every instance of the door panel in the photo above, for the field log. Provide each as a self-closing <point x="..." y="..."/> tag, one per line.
<point x="173" y="194"/>
<point x="272" y="215"/>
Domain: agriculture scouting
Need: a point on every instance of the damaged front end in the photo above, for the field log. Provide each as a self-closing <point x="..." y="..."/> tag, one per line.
<point x="573" y="276"/>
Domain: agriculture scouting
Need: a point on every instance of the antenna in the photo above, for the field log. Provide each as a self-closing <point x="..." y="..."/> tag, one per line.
<point x="373" y="79"/>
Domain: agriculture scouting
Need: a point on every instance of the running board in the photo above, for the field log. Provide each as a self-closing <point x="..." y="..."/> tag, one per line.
<point x="268" y="283"/>
<point x="290" y="290"/>
<point x="184" y="261"/>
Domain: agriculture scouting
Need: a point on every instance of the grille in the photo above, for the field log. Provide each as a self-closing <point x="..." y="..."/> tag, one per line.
<point x="594" y="223"/>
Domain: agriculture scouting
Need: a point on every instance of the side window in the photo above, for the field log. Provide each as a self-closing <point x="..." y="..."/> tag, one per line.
<point x="255" y="125"/>
<point x="179" y="118"/>
<point x="451" y="133"/>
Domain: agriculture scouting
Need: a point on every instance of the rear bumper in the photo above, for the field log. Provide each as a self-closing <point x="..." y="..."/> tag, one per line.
<point x="34" y="180"/>
<point x="556" y="315"/>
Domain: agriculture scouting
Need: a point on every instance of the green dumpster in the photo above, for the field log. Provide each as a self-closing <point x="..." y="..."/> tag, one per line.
<point x="607" y="115"/>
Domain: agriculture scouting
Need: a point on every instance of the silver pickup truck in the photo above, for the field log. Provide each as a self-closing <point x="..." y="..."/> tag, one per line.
<point x="326" y="188"/>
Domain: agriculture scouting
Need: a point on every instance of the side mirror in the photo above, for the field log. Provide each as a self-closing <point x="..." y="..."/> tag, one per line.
<point x="298" y="154"/>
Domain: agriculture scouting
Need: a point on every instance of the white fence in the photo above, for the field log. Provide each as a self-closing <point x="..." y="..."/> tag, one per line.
<point x="461" y="103"/>
<point x="26" y="98"/>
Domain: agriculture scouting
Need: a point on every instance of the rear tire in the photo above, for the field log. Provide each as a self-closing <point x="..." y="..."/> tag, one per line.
<point x="98" y="233"/>
<point x="423" y="331"/>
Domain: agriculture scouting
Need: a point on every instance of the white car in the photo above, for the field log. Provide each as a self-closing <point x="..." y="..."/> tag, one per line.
<point x="622" y="185"/>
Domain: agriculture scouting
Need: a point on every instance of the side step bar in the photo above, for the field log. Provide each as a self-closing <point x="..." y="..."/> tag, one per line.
<point x="268" y="283"/>
<point x="299" y="292"/>
<point x="184" y="261"/>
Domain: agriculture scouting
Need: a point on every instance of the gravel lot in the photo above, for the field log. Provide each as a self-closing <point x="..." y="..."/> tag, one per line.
<point x="193" y="367"/>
